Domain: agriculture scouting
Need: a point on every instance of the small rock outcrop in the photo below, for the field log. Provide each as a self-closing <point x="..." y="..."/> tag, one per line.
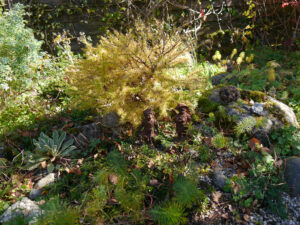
<point x="292" y="174"/>
<point x="219" y="179"/>
<point x="25" y="208"/>
<point x="111" y="121"/>
<point x="234" y="105"/>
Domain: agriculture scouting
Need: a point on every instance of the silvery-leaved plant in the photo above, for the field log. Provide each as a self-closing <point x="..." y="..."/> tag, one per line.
<point x="48" y="151"/>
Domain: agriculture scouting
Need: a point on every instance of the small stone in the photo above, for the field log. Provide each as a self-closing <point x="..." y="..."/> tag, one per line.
<point x="258" y="109"/>
<point x="35" y="193"/>
<point x="47" y="180"/>
<point x="219" y="179"/>
<point x="25" y="208"/>
<point x="292" y="174"/>
<point x="215" y="96"/>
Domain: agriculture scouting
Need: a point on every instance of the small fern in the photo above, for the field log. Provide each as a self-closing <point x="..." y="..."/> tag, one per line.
<point x="117" y="162"/>
<point x="131" y="202"/>
<point x="186" y="191"/>
<point x="245" y="125"/>
<point x="97" y="200"/>
<point x="170" y="213"/>
<point x="57" y="212"/>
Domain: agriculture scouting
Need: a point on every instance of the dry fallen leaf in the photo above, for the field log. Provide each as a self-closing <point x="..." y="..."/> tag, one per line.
<point x="113" y="179"/>
<point x="216" y="196"/>
<point x="118" y="145"/>
<point x="252" y="143"/>
<point x="44" y="164"/>
<point x="154" y="182"/>
<point x="80" y="161"/>
<point x="53" y="159"/>
<point x="247" y="217"/>
<point x="236" y="189"/>
<point x="75" y="171"/>
<point x="151" y="164"/>
<point x="225" y="216"/>
<point x="230" y="208"/>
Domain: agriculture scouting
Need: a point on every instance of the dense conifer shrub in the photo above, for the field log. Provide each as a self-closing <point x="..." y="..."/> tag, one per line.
<point x="149" y="66"/>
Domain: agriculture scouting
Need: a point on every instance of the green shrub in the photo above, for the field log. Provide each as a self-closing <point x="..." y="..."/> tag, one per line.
<point x="20" y="55"/>
<point x="26" y="71"/>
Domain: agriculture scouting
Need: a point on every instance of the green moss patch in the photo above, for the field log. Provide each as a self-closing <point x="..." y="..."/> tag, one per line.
<point x="256" y="96"/>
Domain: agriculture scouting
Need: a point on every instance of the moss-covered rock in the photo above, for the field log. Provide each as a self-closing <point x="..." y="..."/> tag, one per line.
<point x="256" y="96"/>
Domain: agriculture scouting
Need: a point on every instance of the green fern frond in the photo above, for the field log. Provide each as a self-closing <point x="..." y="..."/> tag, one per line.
<point x="116" y="161"/>
<point x="170" y="213"/>
<point x="186" y="191"/>
<point x="57" y="212"/>
<point x="97" y="200"/>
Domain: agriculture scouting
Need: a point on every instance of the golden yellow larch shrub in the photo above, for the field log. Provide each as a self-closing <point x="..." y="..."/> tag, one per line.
<point x="129" y="72"/>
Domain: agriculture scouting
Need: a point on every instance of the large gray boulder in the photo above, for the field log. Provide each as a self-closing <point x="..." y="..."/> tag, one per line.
<point x="292" y="174"/>
<point x="25" y="208"/>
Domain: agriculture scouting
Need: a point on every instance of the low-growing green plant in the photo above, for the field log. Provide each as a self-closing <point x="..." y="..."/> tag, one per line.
<point x="169" y="213"/>
<point x="219" y="141"/>
<point x="287" y="141"/>
<point x="57" y="212"/>
<point x="245" y="125"/>
<point x="49" y="150"/>
<point x="18" y="220"/>
<point x="186" y="191"/>
<point x="261" y="187"/>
